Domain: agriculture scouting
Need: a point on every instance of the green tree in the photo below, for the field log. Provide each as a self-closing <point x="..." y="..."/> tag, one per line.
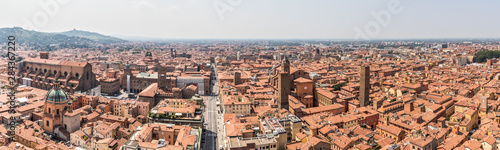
<point x="482" y="56"/>
<point x="337" y="87"/>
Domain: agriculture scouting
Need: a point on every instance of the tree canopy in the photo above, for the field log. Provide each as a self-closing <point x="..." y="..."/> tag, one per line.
<point x="482" y="56"/>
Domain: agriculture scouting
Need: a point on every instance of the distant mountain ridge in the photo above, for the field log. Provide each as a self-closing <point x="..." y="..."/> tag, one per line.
<point x="93" y="36"/>
<point x="51" y="41"/>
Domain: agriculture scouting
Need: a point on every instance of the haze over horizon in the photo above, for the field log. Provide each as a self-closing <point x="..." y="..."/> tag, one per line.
<point x="291" y="19"/>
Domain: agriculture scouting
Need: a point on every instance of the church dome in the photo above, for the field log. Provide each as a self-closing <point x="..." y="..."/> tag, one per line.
<point x="56" y="94"/>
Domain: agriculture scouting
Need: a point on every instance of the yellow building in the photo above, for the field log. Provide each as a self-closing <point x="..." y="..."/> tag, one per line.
<point x="470" y="121"/>
<point x="465" y="121"/>
<point x="463" y="105"/>
<point x="237" y="105"/>
<point x="325" y="97"/>
<point x="130" y="108"/>
<point x="104" y="144"/>
<point x="391" y="131"/>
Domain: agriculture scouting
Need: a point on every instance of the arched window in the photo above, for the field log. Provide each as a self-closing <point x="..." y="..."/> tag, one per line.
<point x="36" y="69"/>
<point x="27" y="68"/>
<point x="49" y="110"/>
<point x="77" y="75"/>
<point x="47" y="123"/>
<point x="55" y="72"/>
<point x="57" y="111"/>
<point x="44" y="70"/>
<point x="65" y="73"/>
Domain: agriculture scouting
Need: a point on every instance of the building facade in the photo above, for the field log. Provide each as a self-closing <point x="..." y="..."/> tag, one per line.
<point x="42" y="73"/>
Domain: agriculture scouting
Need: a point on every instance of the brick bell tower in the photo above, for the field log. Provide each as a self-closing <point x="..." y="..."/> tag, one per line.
<point x="284" y="84"/>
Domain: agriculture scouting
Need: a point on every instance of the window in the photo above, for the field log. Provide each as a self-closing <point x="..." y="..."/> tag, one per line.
<point x="77" y="75"/>
<point x="55" y="72"/>
<point x="57" y="111"/>
<point x="47" y="123"/>
<point x="49" y="110"/>
<point x="65" y="73"/>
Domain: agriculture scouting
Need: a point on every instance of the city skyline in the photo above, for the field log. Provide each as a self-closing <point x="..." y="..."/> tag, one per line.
<point x="366" y="20"/>
<point x="244" y="75"/>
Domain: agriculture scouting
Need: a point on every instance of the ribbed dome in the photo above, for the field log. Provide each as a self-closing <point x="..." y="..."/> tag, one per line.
<point x="56" y="95"/>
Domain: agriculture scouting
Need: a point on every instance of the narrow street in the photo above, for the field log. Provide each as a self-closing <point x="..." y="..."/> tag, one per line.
<point x="212" y="120"/>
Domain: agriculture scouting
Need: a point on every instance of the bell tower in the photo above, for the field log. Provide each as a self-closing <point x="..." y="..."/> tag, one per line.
<point x="284" y="84"/>
<point x="162" y="78"/>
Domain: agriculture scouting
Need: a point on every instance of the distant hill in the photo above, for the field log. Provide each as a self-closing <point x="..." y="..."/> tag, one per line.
<point x="93" y="36"/>
<point x="52" y="41"/>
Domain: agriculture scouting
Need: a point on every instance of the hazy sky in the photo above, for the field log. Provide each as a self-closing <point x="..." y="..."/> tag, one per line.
<point x="326" y="19"/>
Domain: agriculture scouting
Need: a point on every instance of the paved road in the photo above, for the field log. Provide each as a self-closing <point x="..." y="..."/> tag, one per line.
<point x="211" y="117"/>
<point x="221" y="127"/>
